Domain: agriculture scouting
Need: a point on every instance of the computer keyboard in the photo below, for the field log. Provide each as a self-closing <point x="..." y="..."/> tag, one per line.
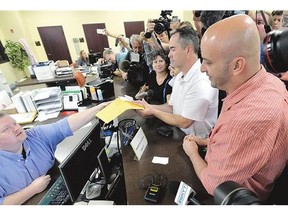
<point x="57" y="194"/>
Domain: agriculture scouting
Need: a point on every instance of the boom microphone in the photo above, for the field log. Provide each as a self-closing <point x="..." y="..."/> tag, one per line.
<point x="141" y="95"/>
<point x="184" y="193"/>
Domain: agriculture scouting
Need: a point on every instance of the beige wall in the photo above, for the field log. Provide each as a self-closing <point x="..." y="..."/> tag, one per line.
<point x="11" y="20"/>
<point x="25" y="23"/>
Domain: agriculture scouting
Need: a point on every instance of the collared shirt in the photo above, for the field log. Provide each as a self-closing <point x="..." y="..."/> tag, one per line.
<point x="194" y="98"/>
<point x="249" y="143"/>
<point x="40" y="145"/>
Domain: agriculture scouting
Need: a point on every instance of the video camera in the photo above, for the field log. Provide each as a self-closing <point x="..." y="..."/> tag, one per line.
<point x="232" y="193"/>
<point x="106" y="70"/>
<point x="135" y="72"/>
<point x="275" y="51"/>
<point x="163" y="23"/>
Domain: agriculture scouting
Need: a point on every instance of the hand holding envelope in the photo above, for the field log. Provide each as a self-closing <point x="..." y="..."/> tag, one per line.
<point x="116" y="108"/>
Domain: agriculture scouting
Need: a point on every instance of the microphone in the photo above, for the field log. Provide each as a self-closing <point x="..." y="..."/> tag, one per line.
<point x="124" y="65"/>
<point x="141" y="95"/>
<point x="116" y="41"/>
<point x="184" y="193"/>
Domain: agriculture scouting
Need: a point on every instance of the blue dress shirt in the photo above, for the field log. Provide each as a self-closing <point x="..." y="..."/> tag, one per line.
<point x="18" y="172"/>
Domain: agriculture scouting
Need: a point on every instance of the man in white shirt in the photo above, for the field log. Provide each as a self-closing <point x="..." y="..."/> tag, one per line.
<point x="193" y="104"/>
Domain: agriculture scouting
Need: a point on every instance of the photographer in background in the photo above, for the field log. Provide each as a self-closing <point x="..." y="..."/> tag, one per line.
<point x="134" y="68"/>
<point x="115" y="58"/>
<point x="157" y="41"/>
<point x="277" y="17"/>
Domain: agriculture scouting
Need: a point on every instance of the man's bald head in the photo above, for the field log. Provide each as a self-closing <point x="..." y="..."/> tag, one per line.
<point x="232" y="46"/>
<point x="235" y="36"/>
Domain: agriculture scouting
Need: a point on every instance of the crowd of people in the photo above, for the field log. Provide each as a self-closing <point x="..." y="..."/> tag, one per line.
<point x="244" y="134"/>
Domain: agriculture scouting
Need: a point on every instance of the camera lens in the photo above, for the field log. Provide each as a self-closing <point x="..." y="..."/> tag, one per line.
<point x="198" y="13"/>
<point x="159" y="28"/>
<point x="275" y="51"/>
<point x="231" y="193"/>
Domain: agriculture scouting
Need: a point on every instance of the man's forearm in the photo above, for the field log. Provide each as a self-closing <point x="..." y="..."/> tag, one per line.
<point x="163" y="107"/>
<point x="164" y="113"/>
<point x="198" y="163"/>
<point x="19" y="197"/>
<point x="78" y="120"/>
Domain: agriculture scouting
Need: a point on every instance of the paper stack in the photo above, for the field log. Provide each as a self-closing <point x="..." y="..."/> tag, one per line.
<point x="48" y="99"/>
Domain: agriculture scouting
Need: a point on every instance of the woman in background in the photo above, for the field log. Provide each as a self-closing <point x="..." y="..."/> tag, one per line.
<point x="83" y="60"/>
<point x="158" y="78"/>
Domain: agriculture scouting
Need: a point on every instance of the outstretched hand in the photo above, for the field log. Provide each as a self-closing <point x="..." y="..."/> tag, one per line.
<point x="148" y="109"/>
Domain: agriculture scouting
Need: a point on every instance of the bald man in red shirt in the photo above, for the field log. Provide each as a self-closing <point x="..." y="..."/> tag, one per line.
<point x="249" y="143"/>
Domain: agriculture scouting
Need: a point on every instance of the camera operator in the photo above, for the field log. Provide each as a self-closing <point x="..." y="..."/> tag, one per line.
<point x="134" y="68"/>
<point x="157" y="41"/>
<point x="248" y="144"/>
<point x="115" y="58"/>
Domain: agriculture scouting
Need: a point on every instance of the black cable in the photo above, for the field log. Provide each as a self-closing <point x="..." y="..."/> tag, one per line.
<point x="158" y="179"/>
<point x="266" y="26"/>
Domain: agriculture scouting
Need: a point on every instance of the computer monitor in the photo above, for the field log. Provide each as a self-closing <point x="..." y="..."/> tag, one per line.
<point x="104" y="164"/>
<point x="79" y="165"/>
<point x="93" y="57"/>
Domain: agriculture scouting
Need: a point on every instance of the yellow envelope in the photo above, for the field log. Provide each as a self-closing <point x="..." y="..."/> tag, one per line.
<point x="116" y="108"/>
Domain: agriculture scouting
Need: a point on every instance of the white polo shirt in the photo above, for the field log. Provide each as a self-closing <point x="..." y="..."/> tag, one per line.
<point x="194" y="98"/>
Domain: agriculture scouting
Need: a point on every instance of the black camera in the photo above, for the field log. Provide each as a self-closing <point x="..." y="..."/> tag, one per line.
<point x="275" y="51"/>
<point x="231" y="193"/>
<point x="106" y="70"/>
<point x="137" y="72"/>
<point x="163" y="23"/>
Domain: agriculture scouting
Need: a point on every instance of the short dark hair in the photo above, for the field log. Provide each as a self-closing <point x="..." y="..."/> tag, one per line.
<point x="277" y="13"/>
<point x="188" y="36"/>
<point x="161" y="53"/>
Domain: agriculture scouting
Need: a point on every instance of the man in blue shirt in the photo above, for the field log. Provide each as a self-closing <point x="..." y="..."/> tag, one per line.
<point x="26" y="156"/>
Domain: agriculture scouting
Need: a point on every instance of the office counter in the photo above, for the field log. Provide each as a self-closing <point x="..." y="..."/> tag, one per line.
<point x="57" y="81"/>
<point x="179" y="167"/>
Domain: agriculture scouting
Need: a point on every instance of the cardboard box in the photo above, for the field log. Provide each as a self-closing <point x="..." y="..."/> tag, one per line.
<point x="45" y="70"/>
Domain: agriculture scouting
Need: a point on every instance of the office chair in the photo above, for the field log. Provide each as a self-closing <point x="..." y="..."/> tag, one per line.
<point x="80" y="78"/>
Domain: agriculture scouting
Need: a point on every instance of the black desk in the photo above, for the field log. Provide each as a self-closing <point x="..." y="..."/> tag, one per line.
<point x="179" y="167"/>
<point x="57" y="81"/>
